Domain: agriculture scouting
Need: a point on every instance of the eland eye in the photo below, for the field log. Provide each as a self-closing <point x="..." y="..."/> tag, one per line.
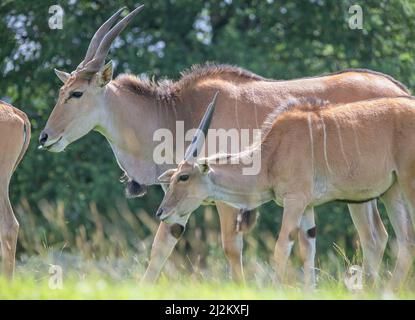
<point x="184" y="177"/>
<point x="76" y="94"/>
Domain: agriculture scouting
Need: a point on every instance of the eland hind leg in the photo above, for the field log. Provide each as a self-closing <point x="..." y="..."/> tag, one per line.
<point x="9" y="229"/>
<point x="307" y="246"/>
<point x="373" y="237"/>
<point x="402" y="224"/>
<point x="16" y="132"/>
<point x="371" y="231"/>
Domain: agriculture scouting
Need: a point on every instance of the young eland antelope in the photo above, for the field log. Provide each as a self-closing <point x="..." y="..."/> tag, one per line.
<point x="15" y="138"/>
<point x="311" y="153"/>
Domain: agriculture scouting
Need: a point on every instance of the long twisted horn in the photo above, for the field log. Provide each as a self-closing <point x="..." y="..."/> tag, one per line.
<point x="101" y="53"/>
<point x="99" y="35"/>
<point x="193" y="150"/>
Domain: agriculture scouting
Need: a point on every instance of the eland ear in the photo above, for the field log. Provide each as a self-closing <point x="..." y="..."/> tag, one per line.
<point x="62" y="75"/>
<point x="166" y="176"/>
<point x="105" y="74"/>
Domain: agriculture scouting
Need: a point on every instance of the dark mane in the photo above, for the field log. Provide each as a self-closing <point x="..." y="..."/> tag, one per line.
<point x="206" y="70"/>
<point x="168" y="91"/>
<point x="305" y="104"/>
<point x="163" y="91"/>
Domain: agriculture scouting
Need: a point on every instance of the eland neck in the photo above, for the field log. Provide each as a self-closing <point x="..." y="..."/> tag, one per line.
<point x="128" y="122"/>
<point x="228" y="183"/>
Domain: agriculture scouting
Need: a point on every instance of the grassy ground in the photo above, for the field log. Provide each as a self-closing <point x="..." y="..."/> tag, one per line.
<point x="90" y="288"/>
<point x="106" y="258"/>
<point x="119" y="279"/>
<point x="28" y="288"/>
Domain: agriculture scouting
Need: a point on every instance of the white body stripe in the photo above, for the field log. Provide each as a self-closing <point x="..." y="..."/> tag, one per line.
<point x="340" y="139"/>
<point x="310" y="128"/>
<point x="325" y="145"/>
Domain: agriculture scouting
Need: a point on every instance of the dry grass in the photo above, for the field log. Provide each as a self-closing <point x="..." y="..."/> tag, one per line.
<point x="106" y="257"/>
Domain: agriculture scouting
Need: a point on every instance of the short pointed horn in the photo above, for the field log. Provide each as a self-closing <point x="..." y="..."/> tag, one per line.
<point x="99" y="35"/>
<point x="199" y="138"/>
<point x="102" y="51"/>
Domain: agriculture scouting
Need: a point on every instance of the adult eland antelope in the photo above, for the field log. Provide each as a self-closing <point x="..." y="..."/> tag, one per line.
<point x="15" y="138"/>
<point x="311" y="152"/>
<point x="128" y="110"/>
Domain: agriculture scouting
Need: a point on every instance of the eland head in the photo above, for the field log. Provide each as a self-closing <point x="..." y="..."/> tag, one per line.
<point x="77" y="110"/>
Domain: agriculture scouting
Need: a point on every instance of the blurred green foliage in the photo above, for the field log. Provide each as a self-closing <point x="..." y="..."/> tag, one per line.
<point x="281" y="39"/>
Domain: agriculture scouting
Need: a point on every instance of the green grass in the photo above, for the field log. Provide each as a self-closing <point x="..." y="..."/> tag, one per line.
<point x="29" y="288"/>
<point x="118" y="278"/>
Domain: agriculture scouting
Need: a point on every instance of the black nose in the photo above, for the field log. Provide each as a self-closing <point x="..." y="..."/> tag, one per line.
<point x="43" y="138"/>
<point x="159" y="212"/>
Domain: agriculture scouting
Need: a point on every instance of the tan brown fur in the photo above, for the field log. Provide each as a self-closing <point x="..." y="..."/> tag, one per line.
<point x="127" y="111"/>
<point x="133" y="109"/>
<point x="313" y="152"/>
<point x="381" y="164"/>
<point x="168" y="91"/>
<point x="15" y="133"/>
